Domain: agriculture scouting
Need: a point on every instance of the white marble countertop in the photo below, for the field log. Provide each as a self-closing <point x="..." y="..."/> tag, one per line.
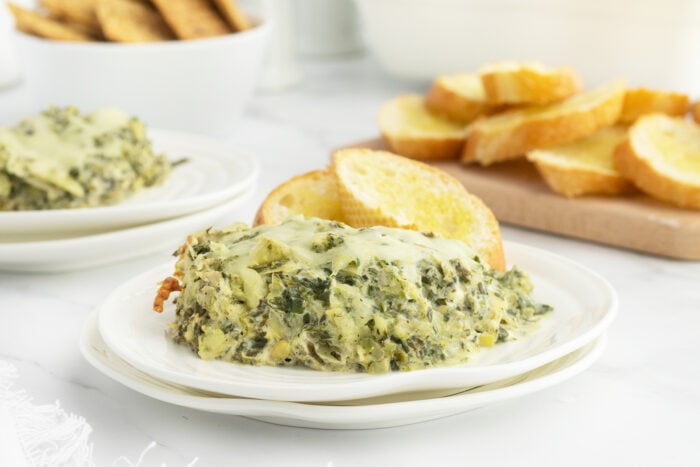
<point x="638" y="405"/>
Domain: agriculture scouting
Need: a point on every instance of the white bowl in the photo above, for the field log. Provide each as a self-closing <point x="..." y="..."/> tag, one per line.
<point x="194" y="85"/>
<point x="653" y="43"/>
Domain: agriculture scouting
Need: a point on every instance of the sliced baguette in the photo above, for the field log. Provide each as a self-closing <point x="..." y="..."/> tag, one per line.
<point x="661" y="156"/>
<point x="380" y="188"/>
<point x="412" y="131"/>
<point x="511" y="134"/>
<point x="527" y="83"/>
<point x="458" y="97"/>
<point x="584" y="166"/>
<point x="642" y="101"/>
<point x="312" y="194"/>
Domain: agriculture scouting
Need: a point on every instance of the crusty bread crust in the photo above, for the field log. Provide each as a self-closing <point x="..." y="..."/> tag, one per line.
<point x="424" y="148"/>
<point x="527" y="83"/>
<point x="461" y="107"/>
<point x="634" y="160"/>
<point x="643" y="101"/>
<point x="421" y="197"/>
<point x="584" y="166"/>
<point x="577" y="181"/>
<point x="696" y="112"/>
<point x="445" y="141"/>
<point x="312" y="194"/>
<point x="653" y="183"/>
<point x="511" y="134"/>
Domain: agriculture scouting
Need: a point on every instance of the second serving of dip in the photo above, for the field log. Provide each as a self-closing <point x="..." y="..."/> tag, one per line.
<point x="322" y="295"/>
<point x="64" y="159"/>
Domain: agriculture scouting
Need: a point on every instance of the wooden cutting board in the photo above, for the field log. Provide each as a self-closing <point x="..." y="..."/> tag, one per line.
<point x="517" y="195"/>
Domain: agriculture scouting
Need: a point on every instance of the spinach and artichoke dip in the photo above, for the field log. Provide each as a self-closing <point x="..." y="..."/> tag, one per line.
<point x="320" y="294"/>
<point x="64" y="159"/>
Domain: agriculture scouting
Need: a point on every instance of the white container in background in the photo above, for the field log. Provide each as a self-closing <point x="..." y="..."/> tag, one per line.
<point x="9" y="71"/>
<point x="199" y="85"/>
<point x="281" y="69"/>
<point x="326" y="28"/>
<point x="653" y="43"/>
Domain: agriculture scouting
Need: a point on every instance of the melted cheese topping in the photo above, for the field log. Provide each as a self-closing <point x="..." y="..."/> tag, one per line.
<point x="320" y="294"/>
<point x="61" y="159"/>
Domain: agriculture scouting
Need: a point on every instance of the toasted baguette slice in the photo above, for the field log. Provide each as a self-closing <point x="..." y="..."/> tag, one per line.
<point x="380" y="188"/>
<point x="412" y="131"/>
<point x="661" y="156"/>
<point x="511" y="134"/>
<point x="696" y="112"/>
<point x="527" y="83"/>
<point x="459" y="97"/>
<point x="642" y="101"/>
<point x="584" y="166"/>
<point x="312" y="194"/>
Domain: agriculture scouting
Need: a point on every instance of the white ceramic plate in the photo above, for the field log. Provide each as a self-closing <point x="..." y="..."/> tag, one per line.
<point x="96" y="250"/>
<point x="384" y="412"/>
<point x="584" y="305"/>
<point x="212" y="174"/>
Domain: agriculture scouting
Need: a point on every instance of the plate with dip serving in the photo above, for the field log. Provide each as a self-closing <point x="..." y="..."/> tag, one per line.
<point x="92" y="250"/>
<point x="381" y="412"/>
<point x="584" y="304"/>
<point x="206" y="173"/>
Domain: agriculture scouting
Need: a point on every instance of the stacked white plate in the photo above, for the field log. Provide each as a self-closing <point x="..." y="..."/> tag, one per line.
<point x="128" y="342"/>
<point x="210" y="183"/>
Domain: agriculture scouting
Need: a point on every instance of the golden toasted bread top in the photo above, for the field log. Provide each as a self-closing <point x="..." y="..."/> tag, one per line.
<point x="642" y="101"/>
<point x="593" y="152"/>
<point x="312" y="194"/>
<point x="380" y="188"/>
<point x="407" y="115"/>
<point x="671" y="145"/>
<point x="527" y="83"/>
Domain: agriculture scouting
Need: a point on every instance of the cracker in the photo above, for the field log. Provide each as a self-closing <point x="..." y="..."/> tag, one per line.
<point x="132" y="21"/>
<point x="232" y="14"/>
<point x="33" y="23"/>
<point x="192" y="19"/>
<point x="79" y="12"/>
<point x="94" y="32"/>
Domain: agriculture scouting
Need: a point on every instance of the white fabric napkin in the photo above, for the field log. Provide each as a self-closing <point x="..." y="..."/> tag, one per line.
<point x="39" y="435"/>
<point x="45" y="435"/>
